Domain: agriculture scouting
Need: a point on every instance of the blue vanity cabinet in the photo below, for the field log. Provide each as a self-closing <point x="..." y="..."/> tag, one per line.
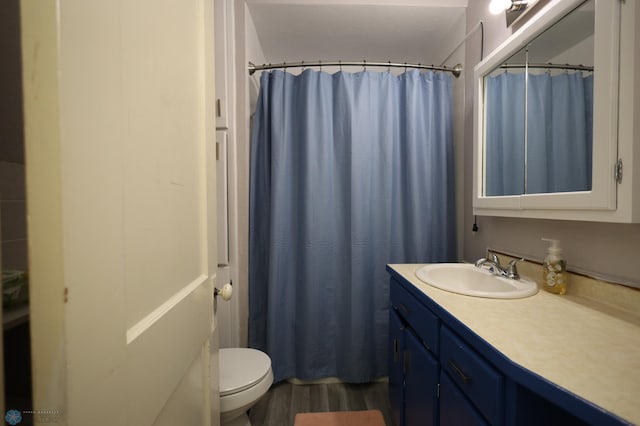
<point x="434" y="377"/>
<point x="413" y="365"/>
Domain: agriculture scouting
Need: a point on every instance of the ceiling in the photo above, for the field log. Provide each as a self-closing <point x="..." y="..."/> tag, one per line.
<point x="374" y="30"/>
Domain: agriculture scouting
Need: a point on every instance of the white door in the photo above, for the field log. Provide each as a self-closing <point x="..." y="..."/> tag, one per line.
<point x="120" y="154"/>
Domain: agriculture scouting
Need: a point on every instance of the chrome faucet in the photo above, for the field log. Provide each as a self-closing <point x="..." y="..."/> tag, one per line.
<point x="492" y="261"/>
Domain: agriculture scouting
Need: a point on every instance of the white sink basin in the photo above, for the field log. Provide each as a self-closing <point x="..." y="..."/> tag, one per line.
<point x="467" y="279"/>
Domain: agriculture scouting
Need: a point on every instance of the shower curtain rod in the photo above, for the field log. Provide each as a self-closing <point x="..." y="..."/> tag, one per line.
<point x="456" y="70"/>
<point x="550" y="66"/>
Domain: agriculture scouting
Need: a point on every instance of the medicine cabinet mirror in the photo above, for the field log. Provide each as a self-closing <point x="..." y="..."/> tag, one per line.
<point x="546" y="114"/>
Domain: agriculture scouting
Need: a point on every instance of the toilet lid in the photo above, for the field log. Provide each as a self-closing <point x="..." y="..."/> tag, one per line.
<point x="241" y="368"/>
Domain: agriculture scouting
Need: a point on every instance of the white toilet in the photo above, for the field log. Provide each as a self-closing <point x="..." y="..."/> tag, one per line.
<point x="245" y="375"/>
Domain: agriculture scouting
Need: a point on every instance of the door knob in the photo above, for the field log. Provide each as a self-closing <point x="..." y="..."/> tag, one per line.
<point x="226" y="292"/>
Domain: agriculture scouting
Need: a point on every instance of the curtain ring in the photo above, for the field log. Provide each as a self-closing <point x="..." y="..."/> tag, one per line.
<point x="389" y="66"/>
<point x="405" y="67"/>
<point x="340" y="64"/>
<point x="284" y="66"/>
<point x="364" y="67"/>
<point x="320" y="65"/>
<point x="302" y="65"/>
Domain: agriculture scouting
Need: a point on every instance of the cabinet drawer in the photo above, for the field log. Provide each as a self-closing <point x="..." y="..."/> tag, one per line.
<point x="417" y="316"/>
<point x="482" y="384"/>
<point x="455" y="410"/>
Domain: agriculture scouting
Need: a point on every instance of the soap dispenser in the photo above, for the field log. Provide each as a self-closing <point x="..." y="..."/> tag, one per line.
<point x="554" y="269"/>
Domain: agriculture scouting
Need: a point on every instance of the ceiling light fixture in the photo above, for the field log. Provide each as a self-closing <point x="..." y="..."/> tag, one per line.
<point x="499" y="6"/>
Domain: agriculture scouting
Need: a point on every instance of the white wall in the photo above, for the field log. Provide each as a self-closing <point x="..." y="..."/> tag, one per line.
<point x="243" y="92"/>
<point x="454" y="49"/>
<point x="247" y="48"/>
<point x="254" y="54"/>
<point x="605" y="250"/>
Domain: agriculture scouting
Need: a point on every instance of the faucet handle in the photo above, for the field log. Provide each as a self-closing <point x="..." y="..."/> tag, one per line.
<point x="492" y="257"/>
<point x="512" y="271"/>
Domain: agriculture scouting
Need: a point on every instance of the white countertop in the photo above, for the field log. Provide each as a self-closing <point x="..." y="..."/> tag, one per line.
<point x="591" y="350"/>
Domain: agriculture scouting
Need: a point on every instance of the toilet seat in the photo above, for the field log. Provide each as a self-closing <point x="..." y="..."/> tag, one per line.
<point x="241" y="368"/>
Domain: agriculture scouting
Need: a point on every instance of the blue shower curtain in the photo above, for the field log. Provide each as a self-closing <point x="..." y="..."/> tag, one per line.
<point x="558" y="127"/>
<point x="349" y="172"/>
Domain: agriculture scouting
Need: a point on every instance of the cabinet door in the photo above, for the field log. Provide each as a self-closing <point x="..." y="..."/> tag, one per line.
<point x="421" y="383"/>
<point x="473" y="375"/>
<point x="396" y="376"/>
<point x="455" y="409"/>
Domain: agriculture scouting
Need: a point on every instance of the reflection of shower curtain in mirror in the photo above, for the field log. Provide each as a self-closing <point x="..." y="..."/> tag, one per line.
<point x="504" y="146"/>
<point x="559" y="131"/>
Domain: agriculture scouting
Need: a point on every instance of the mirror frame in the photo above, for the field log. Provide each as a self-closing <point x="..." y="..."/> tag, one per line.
<point x="560" y="205"/>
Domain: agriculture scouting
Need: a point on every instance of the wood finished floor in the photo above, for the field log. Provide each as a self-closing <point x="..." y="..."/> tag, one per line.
<point x="278" y="407"/>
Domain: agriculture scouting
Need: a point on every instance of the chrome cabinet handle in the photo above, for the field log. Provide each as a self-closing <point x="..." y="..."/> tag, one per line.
<point x="459" y="372"/>
<point x="396" y="350"/>
<point x="403" y="308"/>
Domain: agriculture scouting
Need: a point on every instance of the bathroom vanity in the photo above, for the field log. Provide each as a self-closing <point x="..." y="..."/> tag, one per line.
<point x="544" y="359"/>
